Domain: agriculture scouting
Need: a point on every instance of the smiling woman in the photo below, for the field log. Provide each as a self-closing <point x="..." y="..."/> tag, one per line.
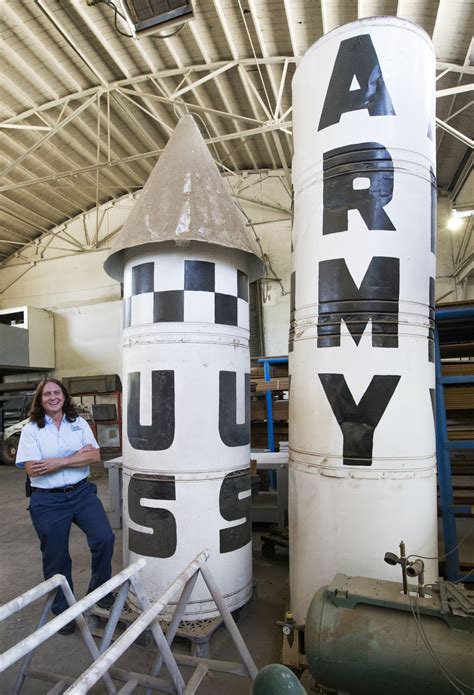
<point x="55" y="449"/>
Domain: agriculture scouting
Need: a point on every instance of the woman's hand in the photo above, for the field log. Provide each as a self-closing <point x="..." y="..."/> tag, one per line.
<point x="45" y="466"/>
<point x="35" y="468"/>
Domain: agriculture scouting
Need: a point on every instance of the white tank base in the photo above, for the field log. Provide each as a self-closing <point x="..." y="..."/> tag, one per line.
<point x="185" y="524"/>
<point x="359" y="507"/>
<point x="199" y="609"/>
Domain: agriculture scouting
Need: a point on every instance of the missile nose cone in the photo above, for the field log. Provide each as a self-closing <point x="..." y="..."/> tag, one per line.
<point x="184" y="200"/>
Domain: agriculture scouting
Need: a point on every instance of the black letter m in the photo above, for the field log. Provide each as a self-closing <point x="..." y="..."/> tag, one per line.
<point x="376" y="299"/>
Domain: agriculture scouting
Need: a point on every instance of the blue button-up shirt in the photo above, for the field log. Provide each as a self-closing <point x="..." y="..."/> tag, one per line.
<point x="50" y="442"/>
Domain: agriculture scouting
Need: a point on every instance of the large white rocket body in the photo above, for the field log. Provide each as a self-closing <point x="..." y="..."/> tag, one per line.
<point x="185" y="262"/>
<point x="362" y="440"/>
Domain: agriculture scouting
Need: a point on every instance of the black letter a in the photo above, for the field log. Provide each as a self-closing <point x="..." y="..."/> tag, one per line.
<point x="356" y="59"/>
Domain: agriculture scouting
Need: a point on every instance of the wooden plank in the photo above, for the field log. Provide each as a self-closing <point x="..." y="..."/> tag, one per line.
<point x="258" y="410"/>
<point x="459" y="397"/>
<point x="457" y="368"/>
<point x="280" y="384"/>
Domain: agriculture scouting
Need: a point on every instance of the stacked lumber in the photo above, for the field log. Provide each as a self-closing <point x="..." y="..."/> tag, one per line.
<point x="259" y="437"/>
<point x="456" y="344"/>
<point x="457" y="368"/>
<point x="459" y="397"/>
<point x="456" y="336"/>
<point x="459" y="401"/>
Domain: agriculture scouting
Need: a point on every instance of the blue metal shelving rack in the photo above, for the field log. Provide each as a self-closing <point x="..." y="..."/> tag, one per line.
<point x="267" y="361"/>
<point x="449" y="510"/>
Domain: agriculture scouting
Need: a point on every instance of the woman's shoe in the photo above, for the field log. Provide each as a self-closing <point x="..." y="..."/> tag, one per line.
<point x="106" y="602"/>
<point x="68" y="629"/>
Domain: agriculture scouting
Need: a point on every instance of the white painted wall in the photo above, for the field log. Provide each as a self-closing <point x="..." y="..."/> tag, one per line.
<point x="275" y="239"/>
<point x="454" y="270"/>
<point x="88" y="339"/>
<point x="86" y="301"/>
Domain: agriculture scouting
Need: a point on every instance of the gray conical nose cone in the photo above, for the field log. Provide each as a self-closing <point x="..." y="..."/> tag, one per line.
<point x="184" y="200"/>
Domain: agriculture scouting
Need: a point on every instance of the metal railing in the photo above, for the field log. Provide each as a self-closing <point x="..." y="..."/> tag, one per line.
<point x="106" y="655"/>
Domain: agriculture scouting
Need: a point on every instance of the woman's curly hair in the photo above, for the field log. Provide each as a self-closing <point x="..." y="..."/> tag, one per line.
<point x="36" y="412"/>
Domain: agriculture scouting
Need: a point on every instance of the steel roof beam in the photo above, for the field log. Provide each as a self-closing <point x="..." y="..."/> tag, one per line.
<point x="57" y="232"/>
<point x="460" y="110"/>
<point x="278" y="112"/>
<point x="58" y="151"/>
<point x="455" y="90"/>
<point x="75" y="194"/>
<point x="202" y="80"/>
<point x="19" y="126"/>
<point x="127" y="94"/>
<point x="194" y="107"/>
<point x="49" y="135"/>
<point x="177" y="59"/>
<point x="91" y="25"/>
<point x="233" y="50"/>
<point x="32" y="263"/>
<point x="86" y="18"/>
<point x="222" y="93"/>
<point x="119" y="136"/>
<point x="159" y="75"/>
<point x="277" y="125"/>
<point x="277" y="92"/>
<point x="452" y="67"/>
<point x="263" y="204"/>
<point x="152" y="70"/>
<point x="467" y="61"/>
<point x="452" y="131"/>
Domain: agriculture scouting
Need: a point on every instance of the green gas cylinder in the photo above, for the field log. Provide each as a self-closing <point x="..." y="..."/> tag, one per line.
<point x="366" y="637"/>
<point x="276" y="679"/>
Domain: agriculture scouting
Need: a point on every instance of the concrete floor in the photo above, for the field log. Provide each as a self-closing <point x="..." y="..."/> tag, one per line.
<point x="21" y="570"/>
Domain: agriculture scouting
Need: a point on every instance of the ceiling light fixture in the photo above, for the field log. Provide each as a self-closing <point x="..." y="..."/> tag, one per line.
<point x="463" y="213"/>
<point x="144" y="17"/>
<point x="454" y="222"/>
<point x="153" y="16"/>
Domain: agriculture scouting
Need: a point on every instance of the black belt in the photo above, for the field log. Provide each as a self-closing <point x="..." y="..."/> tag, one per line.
<point x="68" y="488"/>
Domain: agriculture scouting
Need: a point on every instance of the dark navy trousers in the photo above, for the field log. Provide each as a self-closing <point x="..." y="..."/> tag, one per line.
<point x="52" y="514"/>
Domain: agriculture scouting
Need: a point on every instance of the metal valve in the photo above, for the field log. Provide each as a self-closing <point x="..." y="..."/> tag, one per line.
<point x="288" y="627"/>
<point x="412" y="568"/>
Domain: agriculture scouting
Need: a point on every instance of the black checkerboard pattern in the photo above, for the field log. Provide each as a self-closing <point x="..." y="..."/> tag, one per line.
<point x="196" y="299"/>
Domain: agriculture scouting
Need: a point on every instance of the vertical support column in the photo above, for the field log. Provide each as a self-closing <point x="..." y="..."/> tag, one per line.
<point x="448" y="517"/>
<point x="269" y="405"/>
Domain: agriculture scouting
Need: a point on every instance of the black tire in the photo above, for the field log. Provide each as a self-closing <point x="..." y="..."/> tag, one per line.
<point x="8" y="450"/>
<point x="268" y="550"/>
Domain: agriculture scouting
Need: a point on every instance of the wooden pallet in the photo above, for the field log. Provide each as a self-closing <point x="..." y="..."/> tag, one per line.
<point x="196" y="632"/>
